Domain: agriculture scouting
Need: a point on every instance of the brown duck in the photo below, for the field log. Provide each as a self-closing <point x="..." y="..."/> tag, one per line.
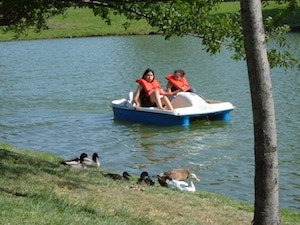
<point x="162" y="180"/>
<point x="114" y="176"/>
<point x="176" y="174"/>
<point x="144" y="179"/>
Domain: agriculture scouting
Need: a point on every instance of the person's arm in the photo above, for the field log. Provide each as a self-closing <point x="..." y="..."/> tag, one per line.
<point x="169" y="86"/>
<point x="168" y="90"/>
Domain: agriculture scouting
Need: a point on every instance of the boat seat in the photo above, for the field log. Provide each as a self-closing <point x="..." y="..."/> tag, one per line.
<point x="180" y="101"/>
<point x="187" y="99"/>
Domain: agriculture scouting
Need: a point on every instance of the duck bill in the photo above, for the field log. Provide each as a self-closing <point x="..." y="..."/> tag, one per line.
<point x="197" y="178"/>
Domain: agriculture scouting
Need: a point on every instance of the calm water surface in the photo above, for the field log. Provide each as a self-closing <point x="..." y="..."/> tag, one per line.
<point x="56" y="95"/>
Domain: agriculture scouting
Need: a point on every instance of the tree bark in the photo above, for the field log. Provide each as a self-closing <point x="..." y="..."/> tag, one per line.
<point x="266" y="207"/>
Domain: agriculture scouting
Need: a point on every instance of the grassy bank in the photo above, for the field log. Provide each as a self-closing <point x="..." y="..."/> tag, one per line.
<point x="36" y="189"/>
<point x="82" y="23"/>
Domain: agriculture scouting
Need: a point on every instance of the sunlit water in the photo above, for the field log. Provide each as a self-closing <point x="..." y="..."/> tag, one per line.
<point x="56" y="95"/>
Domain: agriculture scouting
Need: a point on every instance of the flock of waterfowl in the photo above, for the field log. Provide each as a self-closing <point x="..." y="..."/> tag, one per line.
<point x="177" y="178"/>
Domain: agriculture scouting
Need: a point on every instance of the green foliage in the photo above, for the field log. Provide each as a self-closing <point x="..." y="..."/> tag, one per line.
<point x="281" y="58"/>
<point x="19" y="15"/>
<point x="179" y="17"/>
<point x="215" y="30"/>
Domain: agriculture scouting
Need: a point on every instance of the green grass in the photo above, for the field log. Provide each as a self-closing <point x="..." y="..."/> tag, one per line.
<point x="82" y="23"/>
<point x="36" y="189"/>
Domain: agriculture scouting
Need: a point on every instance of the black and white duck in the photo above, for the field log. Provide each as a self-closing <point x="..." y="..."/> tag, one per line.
<point x="94" y="162"/>
<point x="77" y="162"/>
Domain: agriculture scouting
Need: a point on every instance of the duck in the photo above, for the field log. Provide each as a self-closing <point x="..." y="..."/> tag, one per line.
<point x="94" y="162"/>
<point x="145" y="180"/>
<point x="176" y="174"/>
<point x="182" y="185"/>
<point x="162" y="180"/>
<point x="78" y="163"/>
<point x="114" y="176"/>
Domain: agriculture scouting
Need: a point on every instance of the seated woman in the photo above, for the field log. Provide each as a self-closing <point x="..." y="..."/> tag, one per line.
<point x="177" y="83"/>
<point x="149" y="92"/>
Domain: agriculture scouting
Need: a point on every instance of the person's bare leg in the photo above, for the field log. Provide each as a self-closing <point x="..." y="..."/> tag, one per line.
<point x="155" y="97"/>
<point x="158" y="99"/>
<point x="167" y="102"/>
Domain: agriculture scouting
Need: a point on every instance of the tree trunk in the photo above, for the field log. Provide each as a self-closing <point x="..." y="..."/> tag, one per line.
<point x="266" y="207"/>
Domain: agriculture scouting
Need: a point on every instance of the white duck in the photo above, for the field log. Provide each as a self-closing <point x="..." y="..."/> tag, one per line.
<point x="182" y="185"/>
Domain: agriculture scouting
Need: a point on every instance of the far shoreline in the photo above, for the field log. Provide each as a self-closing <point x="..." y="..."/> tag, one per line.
<point x="72" y="25"/>
<point x="294" y="29"/>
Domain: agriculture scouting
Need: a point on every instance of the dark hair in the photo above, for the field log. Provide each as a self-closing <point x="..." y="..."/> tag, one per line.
<point x="181" y="72"/>
<point x="147" y="71"/>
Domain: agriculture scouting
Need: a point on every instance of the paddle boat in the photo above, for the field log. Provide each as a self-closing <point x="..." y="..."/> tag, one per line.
<point x="187" y="106"/>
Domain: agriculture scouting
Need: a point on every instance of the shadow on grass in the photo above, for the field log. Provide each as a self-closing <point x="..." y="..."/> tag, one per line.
<point x="17" y="164"/>
<point x="27" y="177"/>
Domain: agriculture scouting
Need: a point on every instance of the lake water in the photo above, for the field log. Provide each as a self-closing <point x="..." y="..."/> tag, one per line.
<point x="56" y="95"/>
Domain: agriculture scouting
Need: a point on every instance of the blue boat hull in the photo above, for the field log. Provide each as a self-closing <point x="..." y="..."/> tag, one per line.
<point x="187" y="107"/>
<point x="165" y="119"/>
